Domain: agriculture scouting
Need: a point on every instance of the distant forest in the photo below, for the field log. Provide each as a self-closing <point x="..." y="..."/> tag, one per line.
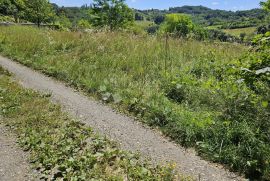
<point x="202" y="22"/>
<point x="209" y="17"/>
<point x="201" y="15"/>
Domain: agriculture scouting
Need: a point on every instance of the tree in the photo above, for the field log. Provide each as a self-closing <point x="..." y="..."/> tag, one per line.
<point x="39" y="11"/>
<point x="111" y="13"/>
<point x="266" y="5"/>
<point x="12" y="7"/>
<point x="178" y="24"/>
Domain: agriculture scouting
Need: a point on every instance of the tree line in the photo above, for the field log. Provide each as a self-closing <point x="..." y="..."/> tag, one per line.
<point x="102" y="13"/>
<point x="115" y="14"/>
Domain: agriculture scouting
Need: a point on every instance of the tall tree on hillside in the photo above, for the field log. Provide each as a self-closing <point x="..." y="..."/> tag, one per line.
<point x="13" y="8"/>
<point x="111" y="13"/>
<point x="39" y="11"/>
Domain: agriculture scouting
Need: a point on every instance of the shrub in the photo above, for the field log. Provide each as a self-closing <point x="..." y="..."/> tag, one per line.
<point x="178" y="24"/>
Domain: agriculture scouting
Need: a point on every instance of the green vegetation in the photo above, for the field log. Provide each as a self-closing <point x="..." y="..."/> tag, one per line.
<point x="237" y="32"/>
<point x="227" y="19"/>
<point x="266" y="5"/>
<point x="114" y="14"/>
<point x="208" y="17"/>
<point x="63" y="23"/>
<point x="38" y="11"/>
<point x="178" y="24"/>
<point x="6" y="19"/>
<point x="209" y="95"/>
<point x="12" y="8"/>
<point x="181" y="26"/>
<point x="216" y="20"/>
<point x="83" y="24"/>
<point x="193" y="91"/>
<point x="74" y="14"/>
<point x="144" y="25"/>
<point x="63" y="149"/>
<point x="207" y="24"/>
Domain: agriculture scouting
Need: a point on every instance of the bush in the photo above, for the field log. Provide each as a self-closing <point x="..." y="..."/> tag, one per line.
<point x="221" y="36"/>
<point x="83" y="24"/>
<point x="6" y="19"/>
<point x="177" y="24"/>
<point x="152" y="29"/>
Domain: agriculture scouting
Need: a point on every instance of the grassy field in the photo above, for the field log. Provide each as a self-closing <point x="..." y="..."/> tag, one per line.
<point x="236" y="32"/>
<point x="63" y="149"/>
<point x="214" y="27"/>
<point x="144" y="24"/>
<point x="191" y="90"/>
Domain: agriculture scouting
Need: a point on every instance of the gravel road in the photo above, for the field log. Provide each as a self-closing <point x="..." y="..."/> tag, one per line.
<point x="129" y="133"/>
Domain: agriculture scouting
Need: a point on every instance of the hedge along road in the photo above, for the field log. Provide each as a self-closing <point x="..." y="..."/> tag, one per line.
<point x="129" y="133"/>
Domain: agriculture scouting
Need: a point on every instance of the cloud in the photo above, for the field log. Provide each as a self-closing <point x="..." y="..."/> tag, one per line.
<point x="215" y="3"/>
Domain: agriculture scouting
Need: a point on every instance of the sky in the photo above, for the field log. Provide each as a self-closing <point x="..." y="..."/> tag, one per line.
<point x="165" y="4"/>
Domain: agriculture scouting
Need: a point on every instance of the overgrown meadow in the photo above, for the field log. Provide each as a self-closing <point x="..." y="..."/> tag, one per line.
<point x="193" y="91"/>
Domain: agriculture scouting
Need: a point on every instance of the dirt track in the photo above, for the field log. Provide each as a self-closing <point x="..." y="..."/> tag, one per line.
<point x="14" y="165"/>
<point x="131" y="134"/>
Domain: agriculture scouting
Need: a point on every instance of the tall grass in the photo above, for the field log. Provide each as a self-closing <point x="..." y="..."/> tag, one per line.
<point x="192" y="93"/>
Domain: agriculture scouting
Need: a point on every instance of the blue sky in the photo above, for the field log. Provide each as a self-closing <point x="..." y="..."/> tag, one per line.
<point x="165" y="4"/>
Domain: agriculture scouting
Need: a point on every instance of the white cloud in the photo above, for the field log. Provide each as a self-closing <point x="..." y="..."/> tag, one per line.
<point x="215" y="3"/>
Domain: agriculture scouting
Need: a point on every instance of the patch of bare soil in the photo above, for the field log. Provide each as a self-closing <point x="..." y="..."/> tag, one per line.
<point x="14" y="165"/>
